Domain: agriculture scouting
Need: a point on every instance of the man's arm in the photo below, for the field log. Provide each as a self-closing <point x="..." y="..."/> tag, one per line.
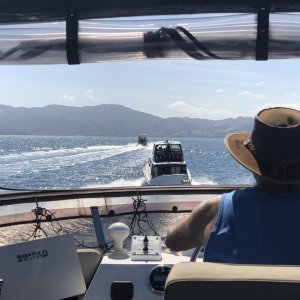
<point x="194" y="230"/>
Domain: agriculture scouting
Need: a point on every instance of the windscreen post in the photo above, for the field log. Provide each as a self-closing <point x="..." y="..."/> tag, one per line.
<point x="262" y="39"/>
<point x="72" y="25"/>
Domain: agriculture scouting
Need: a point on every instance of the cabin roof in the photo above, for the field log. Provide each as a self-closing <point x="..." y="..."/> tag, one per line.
<point x="167" y="142"/>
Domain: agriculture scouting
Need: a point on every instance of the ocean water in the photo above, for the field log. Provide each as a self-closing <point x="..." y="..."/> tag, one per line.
<point x="37" y="162"/>
<point x="52" y="162"/>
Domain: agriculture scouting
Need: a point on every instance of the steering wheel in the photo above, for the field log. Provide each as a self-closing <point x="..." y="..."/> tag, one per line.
<point x="195" y="253"/>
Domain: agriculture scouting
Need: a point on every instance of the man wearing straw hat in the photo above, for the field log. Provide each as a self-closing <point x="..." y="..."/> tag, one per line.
<point x="260" y="224"/>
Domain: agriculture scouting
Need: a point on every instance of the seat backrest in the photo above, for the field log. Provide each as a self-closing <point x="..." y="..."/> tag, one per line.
<point x="213" y="281"/>
<point x="89" y="260"/>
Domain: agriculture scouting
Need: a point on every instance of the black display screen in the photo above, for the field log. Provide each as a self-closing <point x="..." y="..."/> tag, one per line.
<point x="160" y="278"/>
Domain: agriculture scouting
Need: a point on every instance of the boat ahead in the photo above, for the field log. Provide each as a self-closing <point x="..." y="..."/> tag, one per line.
<point x="167" y="166"/>
<point x="142" y="139"/>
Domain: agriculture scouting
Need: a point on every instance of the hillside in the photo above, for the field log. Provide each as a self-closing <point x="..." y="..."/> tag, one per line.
<point x="109" y="120"/>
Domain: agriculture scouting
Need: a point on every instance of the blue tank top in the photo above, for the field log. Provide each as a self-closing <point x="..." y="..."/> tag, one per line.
<point x="256" y="227"/>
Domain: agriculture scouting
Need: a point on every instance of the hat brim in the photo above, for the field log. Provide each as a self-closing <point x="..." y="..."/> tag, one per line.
<point x="235" y="145"/>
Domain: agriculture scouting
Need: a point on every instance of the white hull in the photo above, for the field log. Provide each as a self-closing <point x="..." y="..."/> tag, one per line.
<point x="172" y="179"/>
<point x="176" y="179"/>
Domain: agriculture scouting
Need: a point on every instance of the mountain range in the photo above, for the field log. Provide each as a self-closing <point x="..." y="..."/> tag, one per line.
<point x="110" y="120"/>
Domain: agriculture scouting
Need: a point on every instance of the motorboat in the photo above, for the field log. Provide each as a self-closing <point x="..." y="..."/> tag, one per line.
<point x="142" y="139"/>
<point x="167" y="166"/>
<point x="131" y="262"/>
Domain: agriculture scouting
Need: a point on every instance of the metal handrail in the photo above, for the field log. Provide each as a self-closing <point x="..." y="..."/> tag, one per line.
<point x="30" y="196"/>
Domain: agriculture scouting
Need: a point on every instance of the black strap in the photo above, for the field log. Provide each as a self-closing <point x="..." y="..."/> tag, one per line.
<point x="262" y="38"/>
<point x="188" y="48"/>
<point x="72" y="39"/>
<point x="152" y="43"/>
<point x="199" y="45"/>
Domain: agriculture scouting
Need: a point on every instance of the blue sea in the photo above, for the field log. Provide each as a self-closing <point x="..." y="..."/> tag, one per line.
<point x="71" y="162"/>
<point x="52" y="162"/>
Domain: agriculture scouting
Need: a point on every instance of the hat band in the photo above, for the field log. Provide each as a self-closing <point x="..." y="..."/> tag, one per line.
<point x="277" y="168"/>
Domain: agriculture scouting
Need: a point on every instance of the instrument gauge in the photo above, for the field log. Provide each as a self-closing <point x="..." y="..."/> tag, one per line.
<point x="157" y="278"/>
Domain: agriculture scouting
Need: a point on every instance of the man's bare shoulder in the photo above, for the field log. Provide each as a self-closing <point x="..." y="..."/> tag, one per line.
<point x="208" y="208"/>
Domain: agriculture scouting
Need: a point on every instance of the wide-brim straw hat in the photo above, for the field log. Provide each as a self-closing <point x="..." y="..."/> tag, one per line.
<point x="272" y="150"/>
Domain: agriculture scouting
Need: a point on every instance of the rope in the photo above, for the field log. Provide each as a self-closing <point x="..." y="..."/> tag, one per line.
<point x="140" y="218"/>
<point x="45" y="215"/>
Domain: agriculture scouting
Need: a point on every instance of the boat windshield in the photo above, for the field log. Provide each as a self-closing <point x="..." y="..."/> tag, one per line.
<point x="168" y="152"/>
<point x="67" y="127"/>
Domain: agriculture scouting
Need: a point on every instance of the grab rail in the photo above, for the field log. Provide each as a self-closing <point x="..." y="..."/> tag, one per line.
<point x="30" y="196"/>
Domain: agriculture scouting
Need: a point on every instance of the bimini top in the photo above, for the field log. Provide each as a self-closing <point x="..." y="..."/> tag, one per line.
<point x="85" y="31"/>
<point x="14" y="11"/>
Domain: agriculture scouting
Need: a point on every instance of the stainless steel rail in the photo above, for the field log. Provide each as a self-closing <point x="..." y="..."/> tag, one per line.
<point x="22" y="197"/>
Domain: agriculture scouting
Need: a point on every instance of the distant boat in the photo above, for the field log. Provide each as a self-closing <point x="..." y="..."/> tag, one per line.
<point x="166" y="166"/>
<point x="142" y="139"/>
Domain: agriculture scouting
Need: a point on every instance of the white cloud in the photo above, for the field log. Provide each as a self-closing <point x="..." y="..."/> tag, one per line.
<point x="245" y="93"/>
<point x="291" y="105"/>
<point x="220" y="91"/>
<point x="259" y="96"/>
<point x="184" y="109"/>
<point x="253" y="111"/>
<point x="172" y="89"/>
<point x="89" y="94"/>
<point x="292" y="94"/>
<point x="252" y="95"/>
<point x="177" y="104"/>
<point x="66" y="97"/>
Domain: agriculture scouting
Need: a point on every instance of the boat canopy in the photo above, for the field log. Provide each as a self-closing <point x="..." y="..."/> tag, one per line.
<point x="87" y="31"/>
<point x="14" y="11"/>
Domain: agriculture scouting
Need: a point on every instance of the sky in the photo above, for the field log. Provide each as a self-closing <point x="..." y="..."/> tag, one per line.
<point x="164" y="88"/>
